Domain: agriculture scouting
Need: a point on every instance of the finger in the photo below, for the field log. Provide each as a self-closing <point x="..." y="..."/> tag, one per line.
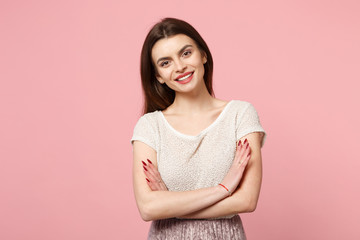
<point x="154" y="187"/>
<point x="245" y="161"/>
<point x="155" y="175"/>
<point x="150" y="176"/>
<point x="151" y="167"/>
<point x="246" y="157"/>
<point x="247" y="152"/>
<point x="244" y="150"/>
<point x="242" y="155"/>
<point x="239" y="152"/>
<point x="153" y="170"/>
<point x="153" y="183"/>
<point x="149" y="171"/>
<point x="239" y="147"/>
<point x="150" y="184"/>
<point x="163" y="186"/>
<point x="155" y="180"/>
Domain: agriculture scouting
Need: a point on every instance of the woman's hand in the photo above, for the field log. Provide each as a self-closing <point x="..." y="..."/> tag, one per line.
<point x="153" y="177"/>
<point x="231" y="180"/>
<point x="235" y="173"/>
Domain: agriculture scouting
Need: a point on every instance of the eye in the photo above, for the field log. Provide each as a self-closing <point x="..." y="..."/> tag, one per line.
<point x="164" y="63"/>
<point x="187" y="53"/>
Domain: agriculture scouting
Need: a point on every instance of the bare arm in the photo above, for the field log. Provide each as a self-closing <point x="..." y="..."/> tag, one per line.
<point x="245" y="197"/>
<point x="166" y="204"/>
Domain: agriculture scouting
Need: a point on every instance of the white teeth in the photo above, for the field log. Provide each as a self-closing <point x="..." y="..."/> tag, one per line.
<point x="183" y="78"/>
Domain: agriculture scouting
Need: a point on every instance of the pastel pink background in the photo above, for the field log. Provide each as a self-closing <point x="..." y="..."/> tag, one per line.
<point x="70" y="96"/>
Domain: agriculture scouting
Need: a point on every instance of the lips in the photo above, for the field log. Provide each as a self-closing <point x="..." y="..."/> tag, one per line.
<point x="183" y="75"/>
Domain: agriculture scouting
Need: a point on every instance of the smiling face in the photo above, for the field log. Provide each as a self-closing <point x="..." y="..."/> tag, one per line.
<point x="179" y="62"/>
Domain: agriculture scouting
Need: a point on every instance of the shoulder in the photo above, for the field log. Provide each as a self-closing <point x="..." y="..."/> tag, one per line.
<point x="244" y="109"/>
<point x="241" y="105"/>
<point x="149" y="116"/>
<point x="233" y="103"/>
<point x="148" y="120"/>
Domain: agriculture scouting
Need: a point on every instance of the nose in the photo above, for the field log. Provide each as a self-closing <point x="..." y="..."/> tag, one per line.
<point x="179" y="66"/>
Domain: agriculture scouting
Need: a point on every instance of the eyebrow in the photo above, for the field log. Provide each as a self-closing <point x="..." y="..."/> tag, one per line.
<point x="182" y="49"/>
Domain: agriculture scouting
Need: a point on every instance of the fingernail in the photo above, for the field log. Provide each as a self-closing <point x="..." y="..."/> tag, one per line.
<point x="149" y="161"/>
<point x="144" y="163"/>
<point x="249" y="154"/>
<point x="147" y="180"/>
<point x="239" y="143"/>
<point x="145" y="168"/>
<point x="245" y="140"/>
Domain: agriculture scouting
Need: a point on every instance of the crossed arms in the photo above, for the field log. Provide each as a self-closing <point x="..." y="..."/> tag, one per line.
<point x="243" y="179"/>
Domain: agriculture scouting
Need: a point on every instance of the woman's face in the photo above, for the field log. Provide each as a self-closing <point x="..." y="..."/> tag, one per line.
<point x="179" y="63"/>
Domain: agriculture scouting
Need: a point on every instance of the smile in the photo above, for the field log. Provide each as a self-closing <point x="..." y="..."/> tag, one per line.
<point x="185" y="77"/>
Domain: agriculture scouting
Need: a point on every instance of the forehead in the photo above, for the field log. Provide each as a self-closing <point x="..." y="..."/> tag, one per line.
<point x="168" y="46"/>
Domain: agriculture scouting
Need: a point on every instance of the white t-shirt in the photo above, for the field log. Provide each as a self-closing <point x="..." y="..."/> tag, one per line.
<point x="191" y="162"/>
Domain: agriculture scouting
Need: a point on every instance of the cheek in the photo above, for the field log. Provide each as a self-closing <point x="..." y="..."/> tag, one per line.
<point x="165" y="73"/>
<point x="197" y="61"/>
<point x="200" y="65"/>
<point x="201" y="70"/>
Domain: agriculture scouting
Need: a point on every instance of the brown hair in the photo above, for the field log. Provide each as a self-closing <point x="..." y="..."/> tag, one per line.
<point x="159" y="96"/>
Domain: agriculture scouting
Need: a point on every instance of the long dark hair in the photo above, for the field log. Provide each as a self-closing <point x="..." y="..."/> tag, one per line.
<point x="159" y="96"/>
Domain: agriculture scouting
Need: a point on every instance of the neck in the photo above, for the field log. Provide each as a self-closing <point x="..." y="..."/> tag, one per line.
<point x="192" y="103"/>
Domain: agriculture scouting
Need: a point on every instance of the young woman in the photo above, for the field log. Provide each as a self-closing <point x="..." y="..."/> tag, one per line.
<point x="196" y="158"/>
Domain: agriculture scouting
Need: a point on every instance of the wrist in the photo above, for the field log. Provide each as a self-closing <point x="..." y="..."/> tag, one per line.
<point x="225" y="189"/>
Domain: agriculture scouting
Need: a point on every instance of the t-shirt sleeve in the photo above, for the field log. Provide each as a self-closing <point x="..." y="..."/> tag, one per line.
<point x="144" y="132"/>
<point x="249" y="122"/>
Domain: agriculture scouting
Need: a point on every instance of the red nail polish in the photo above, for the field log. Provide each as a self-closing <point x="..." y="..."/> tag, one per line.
<point x="239" y="143"/>
<point x="145" y="168"/>
<point x="147" y="180"/>
<point x="245" y="140"/>
<point x="144" y="163"/>
<point x="149" y="161"/>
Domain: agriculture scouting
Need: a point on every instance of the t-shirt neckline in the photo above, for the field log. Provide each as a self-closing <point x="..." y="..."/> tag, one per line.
<point x="221" y="115"/>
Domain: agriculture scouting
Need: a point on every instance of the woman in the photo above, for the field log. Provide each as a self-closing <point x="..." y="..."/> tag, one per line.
<point x="196" y="158"/>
